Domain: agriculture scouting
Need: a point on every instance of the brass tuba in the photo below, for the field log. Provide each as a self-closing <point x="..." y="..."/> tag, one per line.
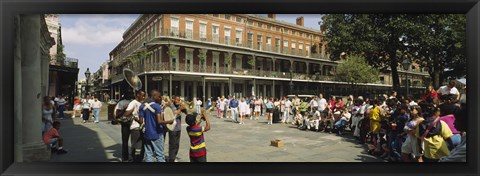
<point x="132" y="79"/>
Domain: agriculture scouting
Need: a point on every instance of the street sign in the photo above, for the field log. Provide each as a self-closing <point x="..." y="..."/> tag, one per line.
<point x="157" y="78"/>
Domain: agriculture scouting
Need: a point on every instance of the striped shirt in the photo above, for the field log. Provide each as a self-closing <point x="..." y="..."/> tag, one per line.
<point x="197" y="142"/>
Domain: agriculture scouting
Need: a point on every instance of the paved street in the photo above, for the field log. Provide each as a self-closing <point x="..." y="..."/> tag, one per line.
<point x="226" y="142"/>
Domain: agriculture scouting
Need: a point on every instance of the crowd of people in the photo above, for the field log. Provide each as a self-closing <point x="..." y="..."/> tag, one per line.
<point x="396" y="128"/>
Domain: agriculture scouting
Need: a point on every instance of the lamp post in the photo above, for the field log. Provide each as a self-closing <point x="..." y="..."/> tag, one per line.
<point x="406" y="64"/>
<point x="87" y="75"/>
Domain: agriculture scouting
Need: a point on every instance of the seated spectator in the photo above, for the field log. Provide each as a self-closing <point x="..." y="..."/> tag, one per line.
<point x="314" y="120"/>
<point x="342" y="122"/>
<point x="433" y="135"/>
<point x="53" y="139"/>
<point x="328" y="120"/>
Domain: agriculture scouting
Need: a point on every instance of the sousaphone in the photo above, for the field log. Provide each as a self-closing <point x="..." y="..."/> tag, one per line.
<point x="132" y="79"/>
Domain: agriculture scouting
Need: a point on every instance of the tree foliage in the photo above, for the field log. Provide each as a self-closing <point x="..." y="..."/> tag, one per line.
<point x="356" y="70"/>
<point x="433" y="40"/>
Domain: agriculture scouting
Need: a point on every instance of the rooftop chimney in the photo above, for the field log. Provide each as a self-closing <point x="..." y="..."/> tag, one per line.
<point x="300" y="21"/>
<point x="272" y="16"/>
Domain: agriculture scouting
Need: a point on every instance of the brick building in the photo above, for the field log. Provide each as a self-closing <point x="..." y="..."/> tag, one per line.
<point x="209" y="55"/>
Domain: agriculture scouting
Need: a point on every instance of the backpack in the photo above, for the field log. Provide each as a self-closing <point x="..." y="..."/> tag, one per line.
<point x="430" y="127"/>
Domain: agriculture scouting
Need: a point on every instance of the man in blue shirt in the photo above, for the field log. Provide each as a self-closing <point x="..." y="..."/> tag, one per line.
<point x="151" y="114"/>
<point x="234" y="109"/>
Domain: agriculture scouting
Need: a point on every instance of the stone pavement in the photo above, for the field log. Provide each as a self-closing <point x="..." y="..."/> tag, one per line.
<point x="225" y="142"/>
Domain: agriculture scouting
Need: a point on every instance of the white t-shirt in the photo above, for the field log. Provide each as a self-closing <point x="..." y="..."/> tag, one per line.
<point x="91" y="101"/>
<point x="288" y="104"/>
<point x="346" y="116"/>
<point x="97" y="104"/>
<point x="317" y="114"/>
<point x="413" y="103"/>
<point x="61" y="101"/>
<point x="135" y="105"/>
<point x="322" y="104"/>
<point x="445" y="90"/>
<point x="313" y="103"/>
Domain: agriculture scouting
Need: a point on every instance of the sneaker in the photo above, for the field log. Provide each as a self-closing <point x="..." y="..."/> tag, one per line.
<point x="96" y="121"/>
<point x="84" y="121"/>
<point x="61" y="151"/>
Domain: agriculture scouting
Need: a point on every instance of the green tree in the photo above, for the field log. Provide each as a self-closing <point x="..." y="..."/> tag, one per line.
<point x="60" y="54"/>
<point x="439" y="45"/>
<point x="377" y="37"/>
<point x="356" y="70"/>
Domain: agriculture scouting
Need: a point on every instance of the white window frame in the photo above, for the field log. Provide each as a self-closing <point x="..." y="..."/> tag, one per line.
<point x="175" y="25"/>
<point x="189" y="31"/>
<point x="203" y="33"/>
<point x="238" y="35"/>
<point x="226" y="34"/>
<point x="216" y="35"/>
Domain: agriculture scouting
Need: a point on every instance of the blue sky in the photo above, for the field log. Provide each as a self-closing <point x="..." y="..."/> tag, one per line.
<point x="90" y="38"/>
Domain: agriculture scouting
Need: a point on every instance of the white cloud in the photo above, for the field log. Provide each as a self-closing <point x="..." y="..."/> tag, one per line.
<point x="95" y="29"/>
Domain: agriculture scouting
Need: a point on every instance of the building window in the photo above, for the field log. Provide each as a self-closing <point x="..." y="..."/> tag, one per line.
<point x="413" y="67"/>
<point x="250" y="40"/>
<point x="293" y="48"/>
<point x="238" y="38"/>
<point x="216" y="15"/>
<point x="285" y="46"/>
<point x="269" y="44"/>
<point x="250" y="23"/>
<point x="239" y="19"/>
<point x="174" y="26"/>
<point x="189" y="29"/>
<point x="227" y="17"/>
<point x="269" y="27"/>
<point x="277" y="45"/>
<point x="189" y="59"/>
<point x="278" y="29"/>
<point x="203" y="32"/>
<point x="382" y="79"/>
<point x="300" y="49"/>
<point x="259" y="42"/>
<point x="215" y="34"/>
<point x="227" y="35"/>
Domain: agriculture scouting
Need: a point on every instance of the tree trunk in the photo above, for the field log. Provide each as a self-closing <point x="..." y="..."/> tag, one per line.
<point x="393" y="67"/>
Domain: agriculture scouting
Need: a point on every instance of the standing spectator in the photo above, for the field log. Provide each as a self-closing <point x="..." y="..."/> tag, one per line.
<point x="409" y="147"/>
<point x="296" y="104"/>
<point x="234" y="109"/>
<point x="125" y="121"/>
<point x="447" y="111"/>
<point x="248" y="110"/>
<point x="47" y="111"/>
<point x="269" y="107"/>
<point x="198" y="150"/>
<point x="218" y="107"/>
<point x="52" y="138"/>
<point x="433" y="135"/>
<point x="61" y="107"/>
<point x="199" y="104"/>
<point x="174" y="135"/>
<point x="151" y="114"/>
<point x="286" y="113"/>
<point x="226" y="112"/>
<point x="91" y="101"/>
<point x="222" y="106"/>
<point x="332" y="102"/>
<point x="396" y="136"/>
<point x="430" y="92"/>
<point x="375" y="118"/>
<point x="86" y="106"/>
<point x="243" y="109"/>
<point x="77" y="106"/>
<point x="137" y="127"/>
<point x="258" y="106"/>
<point x="96" y="106"/>
<point x="322" y="104"/>
<point x="450" y="89"/>
<point x="209" y="104"/>
<point x="393" y="95"/>
<point x="282" y="107"/>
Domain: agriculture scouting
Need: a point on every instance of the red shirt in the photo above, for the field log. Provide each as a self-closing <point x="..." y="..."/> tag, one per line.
<point x="434" y="94"/>
<point x="77" y="101"/>
<point x="339" y="105"/>
<point x="52" y="133"/>
<point x="332" y="104"/>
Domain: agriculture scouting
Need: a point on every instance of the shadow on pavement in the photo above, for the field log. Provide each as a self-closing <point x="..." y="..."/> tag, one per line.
<point x="83" y="143"/>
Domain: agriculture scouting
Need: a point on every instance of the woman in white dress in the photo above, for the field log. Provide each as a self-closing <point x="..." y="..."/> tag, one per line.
<point x="242" y="109"/>
<point x="222" y="107"/>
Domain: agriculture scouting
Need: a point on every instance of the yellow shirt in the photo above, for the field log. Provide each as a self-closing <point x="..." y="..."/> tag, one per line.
<point x="435" y="147"/>
<point x="375" y="114"/>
